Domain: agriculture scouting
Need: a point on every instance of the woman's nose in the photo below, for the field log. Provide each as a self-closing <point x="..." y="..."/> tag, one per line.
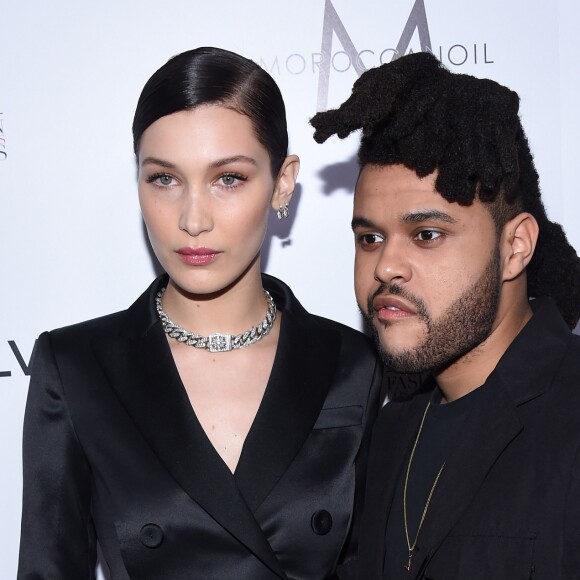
<point x="195" y="217"/>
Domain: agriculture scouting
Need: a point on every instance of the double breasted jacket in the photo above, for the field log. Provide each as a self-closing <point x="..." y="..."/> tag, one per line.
<point x="507" y="504"/>
<point x="114" y="452"/>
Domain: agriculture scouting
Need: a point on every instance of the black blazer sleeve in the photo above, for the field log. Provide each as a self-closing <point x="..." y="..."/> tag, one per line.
<point x="57" y="539"/>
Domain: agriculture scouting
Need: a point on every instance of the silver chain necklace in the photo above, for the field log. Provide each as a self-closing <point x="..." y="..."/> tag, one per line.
<point x="218" y="342"/>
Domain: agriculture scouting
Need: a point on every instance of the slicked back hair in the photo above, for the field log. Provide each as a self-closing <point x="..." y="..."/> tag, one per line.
<point x="206" y="76"/>
<point x="415" y="112"/>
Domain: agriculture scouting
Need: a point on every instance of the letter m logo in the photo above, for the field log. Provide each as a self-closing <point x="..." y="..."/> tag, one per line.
<point x="333" y="24"/>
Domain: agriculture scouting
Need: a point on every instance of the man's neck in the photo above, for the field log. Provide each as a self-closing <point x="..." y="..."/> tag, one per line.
<point x="472" y="369"/>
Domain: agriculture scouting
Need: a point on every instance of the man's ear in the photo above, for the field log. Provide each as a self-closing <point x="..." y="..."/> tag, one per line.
<point x="285" y="182"/>
<point x="517" y="244"/>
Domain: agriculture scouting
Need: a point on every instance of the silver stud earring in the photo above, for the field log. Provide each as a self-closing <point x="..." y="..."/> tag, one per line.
<point x="282" y="211"/>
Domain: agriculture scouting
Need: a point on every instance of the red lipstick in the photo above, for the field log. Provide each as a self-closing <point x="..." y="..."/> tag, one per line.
<point x="198" y="256"/>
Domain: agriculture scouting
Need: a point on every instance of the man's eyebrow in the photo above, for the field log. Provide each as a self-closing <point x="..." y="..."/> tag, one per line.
<point x="414" y="217"/>
<point x="361" y="222"/>
<point x="424" y="215"/>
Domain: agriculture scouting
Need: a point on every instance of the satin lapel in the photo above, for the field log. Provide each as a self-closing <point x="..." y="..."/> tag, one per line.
<point x="306" y="359"/>
<point x="143" y="374"/>
<point x="487" y="432"/>
<point x="392" y="439"/>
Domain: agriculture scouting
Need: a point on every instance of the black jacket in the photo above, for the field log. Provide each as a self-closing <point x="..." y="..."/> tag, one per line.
<point x="114" y="451"/>
<point x="507" y="505"/>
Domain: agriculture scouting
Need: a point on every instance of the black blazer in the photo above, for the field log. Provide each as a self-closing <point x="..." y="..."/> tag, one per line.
<point x="113" y="451"/>
<point x="507" y="505"/>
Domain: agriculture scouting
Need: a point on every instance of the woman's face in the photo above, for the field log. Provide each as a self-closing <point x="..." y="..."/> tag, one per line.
<point x="205" y="189"/>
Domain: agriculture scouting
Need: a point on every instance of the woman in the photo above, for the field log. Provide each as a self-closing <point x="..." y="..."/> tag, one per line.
<point x="227" y="452"/>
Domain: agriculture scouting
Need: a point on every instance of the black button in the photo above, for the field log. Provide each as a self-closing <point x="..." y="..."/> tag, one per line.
<point x="321" y="522"/>
<point x="151" y="535"/>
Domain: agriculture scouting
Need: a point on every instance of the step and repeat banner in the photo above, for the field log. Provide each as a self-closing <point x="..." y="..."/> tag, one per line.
<point x="72" y="243"/>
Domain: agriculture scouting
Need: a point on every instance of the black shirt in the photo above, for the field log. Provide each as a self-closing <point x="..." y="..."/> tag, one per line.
<point x="440" y="430"/>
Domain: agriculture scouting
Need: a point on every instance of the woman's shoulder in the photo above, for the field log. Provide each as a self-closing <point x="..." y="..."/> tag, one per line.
<point x="287" y="301"/>
<point x="136" y="319"/>
<point x="94" y="326"/>
<point x="347" y="333"/>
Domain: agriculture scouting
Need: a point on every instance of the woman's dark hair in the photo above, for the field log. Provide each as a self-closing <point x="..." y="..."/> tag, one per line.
<point x="415" y="112"/>
<point x="209" y="75"/>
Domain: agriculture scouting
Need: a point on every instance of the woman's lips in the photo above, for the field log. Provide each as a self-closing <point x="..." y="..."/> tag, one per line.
<point x="392" y="308"/>
<point x="198" y="256"/>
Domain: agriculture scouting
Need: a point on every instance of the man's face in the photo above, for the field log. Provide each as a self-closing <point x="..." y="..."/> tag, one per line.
<point x="427" y="272"/>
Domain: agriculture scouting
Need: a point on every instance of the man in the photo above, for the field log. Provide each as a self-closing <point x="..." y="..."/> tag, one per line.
<point x="459" y="272"/>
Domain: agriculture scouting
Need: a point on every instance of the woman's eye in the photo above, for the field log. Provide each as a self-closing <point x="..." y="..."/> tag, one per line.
<point x="428" y="236"/>
<point x="165" y="179"/>
<point x="161" y="179"/>
<point x="228" y="180"/>
<point x="231" y="179"/>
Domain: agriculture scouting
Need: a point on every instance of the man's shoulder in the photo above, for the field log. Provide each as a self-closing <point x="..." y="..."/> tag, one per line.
<point x="567" y="365"/>
<point x="575" y="345"/>
<point x="568" y="373"/>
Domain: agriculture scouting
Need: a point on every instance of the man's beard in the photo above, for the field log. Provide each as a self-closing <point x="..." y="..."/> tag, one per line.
<point x="464" y="325"/>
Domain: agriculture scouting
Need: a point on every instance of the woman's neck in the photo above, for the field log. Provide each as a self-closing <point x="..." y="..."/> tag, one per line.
<point x="231" y="311"/>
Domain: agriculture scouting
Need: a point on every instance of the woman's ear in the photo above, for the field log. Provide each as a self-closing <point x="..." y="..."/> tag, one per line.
<point x="517" y="245"/>
<point x="285" y="182"/>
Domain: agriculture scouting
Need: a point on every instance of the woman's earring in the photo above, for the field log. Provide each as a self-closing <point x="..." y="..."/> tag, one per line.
<point x="282" y="211"/>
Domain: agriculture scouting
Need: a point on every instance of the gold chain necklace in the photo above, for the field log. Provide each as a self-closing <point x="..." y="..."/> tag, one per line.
<point x="411" y="547"/>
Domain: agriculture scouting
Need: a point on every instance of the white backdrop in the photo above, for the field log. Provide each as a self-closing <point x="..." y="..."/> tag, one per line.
<point x="72" y="244"/>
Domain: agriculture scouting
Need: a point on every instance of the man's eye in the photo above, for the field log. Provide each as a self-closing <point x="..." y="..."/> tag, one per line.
<point x="366" y="240"/>
<point x="428" y="236"/>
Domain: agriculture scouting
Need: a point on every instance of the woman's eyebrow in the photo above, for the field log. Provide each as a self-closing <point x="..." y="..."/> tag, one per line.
<point x="234" y="159"/>
<point x="157" y="161"/>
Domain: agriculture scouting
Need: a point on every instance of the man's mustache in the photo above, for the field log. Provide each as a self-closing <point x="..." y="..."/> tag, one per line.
<point x="396" y="290"/>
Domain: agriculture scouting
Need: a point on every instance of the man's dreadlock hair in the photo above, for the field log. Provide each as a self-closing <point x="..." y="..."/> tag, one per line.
<point x="414" y="112"/>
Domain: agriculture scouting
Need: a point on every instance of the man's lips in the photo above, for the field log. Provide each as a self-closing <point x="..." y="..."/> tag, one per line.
<point x="392" y="308"/>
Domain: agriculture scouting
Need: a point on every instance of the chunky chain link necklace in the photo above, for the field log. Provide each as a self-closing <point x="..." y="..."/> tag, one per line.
<point x="218" y="342"/>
